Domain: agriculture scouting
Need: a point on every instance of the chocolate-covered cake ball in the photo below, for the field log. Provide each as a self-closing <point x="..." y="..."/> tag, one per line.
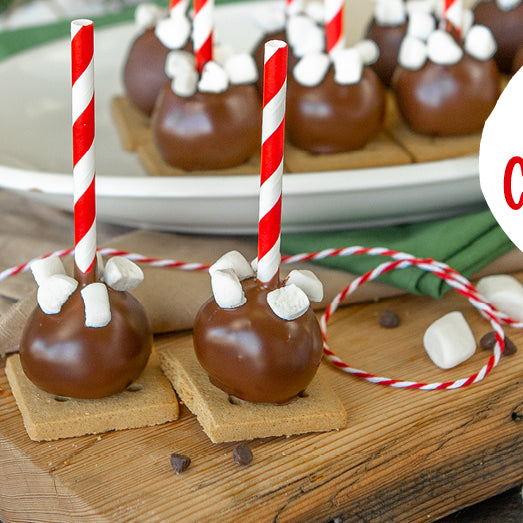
<point x="518" y="61"/>
<point x="505" y="20"/>
<point x="63" y="354"/>
<point x="247" y="346"/>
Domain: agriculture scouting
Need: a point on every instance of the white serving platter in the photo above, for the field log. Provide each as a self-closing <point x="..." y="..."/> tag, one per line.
<point x="35" y="156"/>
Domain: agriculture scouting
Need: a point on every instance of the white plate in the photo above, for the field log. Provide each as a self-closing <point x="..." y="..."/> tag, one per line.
<point x="35" y="157"/>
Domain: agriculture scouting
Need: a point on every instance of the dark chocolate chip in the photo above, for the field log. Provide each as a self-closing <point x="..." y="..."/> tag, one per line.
<point x="242" y="454"/>
<point x="389" y="320"/>
<point x="488" y="341"/>
<point x="180" y="462"/>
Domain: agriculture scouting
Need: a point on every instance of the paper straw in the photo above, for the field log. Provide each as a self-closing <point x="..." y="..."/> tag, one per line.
<point x="178" y="7"/>
<point x="453" y="13"/>
<point x="293" y="7"/>
<point x="82" y="55"/>
<point x="273" y="130"/>
<point x="203" y="32"/>
<point x="334" y="25"/>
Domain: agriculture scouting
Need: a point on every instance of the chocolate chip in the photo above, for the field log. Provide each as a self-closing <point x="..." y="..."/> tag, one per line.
<point x="389" y="320"/>
<point x="180" y="462"/>
<point x="488" y="341"/>
<point x="242" y="454"/>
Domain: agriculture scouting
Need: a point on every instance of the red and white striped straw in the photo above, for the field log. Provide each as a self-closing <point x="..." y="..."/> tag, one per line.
<point x="203" y="32"/>
<point x="453" y="13"/>
<point x="178" y="7"/>
<point x="273" y="133"/>
<point x="82" y="62"/>
<point x="334" y="24"/>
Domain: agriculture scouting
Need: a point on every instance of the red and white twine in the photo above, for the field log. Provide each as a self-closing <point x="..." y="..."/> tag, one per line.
<point x="273" y="133"/>
<point x="203" y="32"/>
<point x="399" y="260"/>
<point x="334" y="24"/>
<point x="82" y="67"/>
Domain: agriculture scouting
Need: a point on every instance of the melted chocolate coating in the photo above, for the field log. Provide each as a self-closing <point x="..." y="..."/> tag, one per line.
<point x="388" y="38"/>
<point x="62" y="356"/>
<point x="207" y="130"/>
<point x="332" y="118"/>
<point x="447" y="100"/>
<point x="144" y="72"/>
<point x="253" y="354"/>
<point x="507" y="28"/>
<point x="518" y="61"/>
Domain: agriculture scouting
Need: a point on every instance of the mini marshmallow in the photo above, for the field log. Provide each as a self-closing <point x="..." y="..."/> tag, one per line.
<point x="227" y="289"/>
<point x="96" y="305"/>
<point x="308" y="282"/>
<point x="506" y="5"/>
<point x="442" y="49"/>
<point x="214" y="79"/>
<point x="311" y="69"/>
<point x="178" y="62"/>
<point x="304" y="36"/>
<point x="426" y="6"/>
<point x="173" y="31"/>
<point x="480" y="43"/>
<point x="348" y="67"/>
<point x="46" y="267"/>
<point x="316" y="11"/>
<point x="222" y="52"/>
<point x="147" y="15"/>
<point x="234" y="261"/>
<point x="467" y="21"/>
<point x="269" y="20"/>
<point x="505" y="292"/>
<point x="390" y="12"/>
<point x="241" y="69"/>
<point x="368" y="50"/>
<point x="54" y="292"/>
<point x="421" y="25"/>
<point x="122" y="274"/>
<point x="449" y="340"/>
<point x="288" y="302"/>
<point x="412" y="54"/>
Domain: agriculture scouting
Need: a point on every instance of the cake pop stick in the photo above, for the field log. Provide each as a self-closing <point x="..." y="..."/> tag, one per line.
<point x="82" y="52"/>
<point x="453" y="13"/>
<point x="273" y="130"/>
<point x="178" y="7"/>
<point x="334" y="13"/>
<point x="203" y="32"/>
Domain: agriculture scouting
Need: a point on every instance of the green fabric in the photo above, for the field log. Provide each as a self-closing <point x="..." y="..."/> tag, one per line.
<point x="466" y="243"/>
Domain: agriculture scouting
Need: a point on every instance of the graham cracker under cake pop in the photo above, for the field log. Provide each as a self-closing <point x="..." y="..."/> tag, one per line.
<point x="226" y="419"/>
<point x="149" y="401"/>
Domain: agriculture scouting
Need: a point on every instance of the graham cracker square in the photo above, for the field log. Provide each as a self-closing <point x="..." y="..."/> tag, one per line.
<point x="149" y="401"/>
<point x="133" y="125"/>
<point x="225" y="419"/>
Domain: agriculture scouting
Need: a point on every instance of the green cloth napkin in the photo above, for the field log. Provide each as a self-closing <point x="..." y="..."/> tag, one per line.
<point x="466" y="243"/>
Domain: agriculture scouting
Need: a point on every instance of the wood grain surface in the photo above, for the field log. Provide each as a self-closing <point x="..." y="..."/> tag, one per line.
<point x="407" y="455"/>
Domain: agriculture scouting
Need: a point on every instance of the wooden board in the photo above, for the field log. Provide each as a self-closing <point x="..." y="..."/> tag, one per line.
<point x="407" y="455"/>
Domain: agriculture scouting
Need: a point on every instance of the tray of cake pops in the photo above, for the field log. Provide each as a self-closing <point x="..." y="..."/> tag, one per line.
<point x="383" y="120"/>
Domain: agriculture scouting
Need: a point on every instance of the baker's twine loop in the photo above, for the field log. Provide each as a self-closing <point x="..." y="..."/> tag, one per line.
<point x="400" y="260"/>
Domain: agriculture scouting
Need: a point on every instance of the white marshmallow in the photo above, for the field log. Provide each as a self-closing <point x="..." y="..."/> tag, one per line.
<point x="505" y="292"/>
<point x="412" y="54"/>
<point x="288" y="302"/>
<point x="122" y="274"/>
<point x="234" y="261"/>
<point x="426" y="6"/>
<point x="368" y="50"/>
<point x="173" y="31"/>
<point x="449" y="340"/>
<point x="96" y="305"/>
<point x="390" y="12"/>
<point x="254" y="264"/>
<point x="269" y="20"/>
<point x="46" y="267"/>
<point x="54" y="292"/>
<point x="467" y="21"/>
<point x="308" y="282"/>
<point x="222" y="52"/>
<point x="442" y="48"/>
<point x="304" y="36"/>
<point x="227" y="289"/>
<point x="311" y="69"/>
<point x="294" y="8"/>
<point x="480" y="43"/>
<point x="213" y="79"/>
<point x="178" y="62"/>
<point x="241" y="69"/>
<point x="147" y="15"/>
<point x="421" y="25"/>
<point x="348" y="67"/>
<point x="316" y="11"/>
<point x="506" y="5"/>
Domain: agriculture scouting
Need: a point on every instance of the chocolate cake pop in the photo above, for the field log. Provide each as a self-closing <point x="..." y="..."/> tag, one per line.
<point x="505" y="20"/>
<point x="144" y="74"/>
<point x="444" y="89"/>
<point x="85" y="339"/>
<point x="260" y="343"/>
<point x="518" y="61"/>
<point x="207" y="121"/>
